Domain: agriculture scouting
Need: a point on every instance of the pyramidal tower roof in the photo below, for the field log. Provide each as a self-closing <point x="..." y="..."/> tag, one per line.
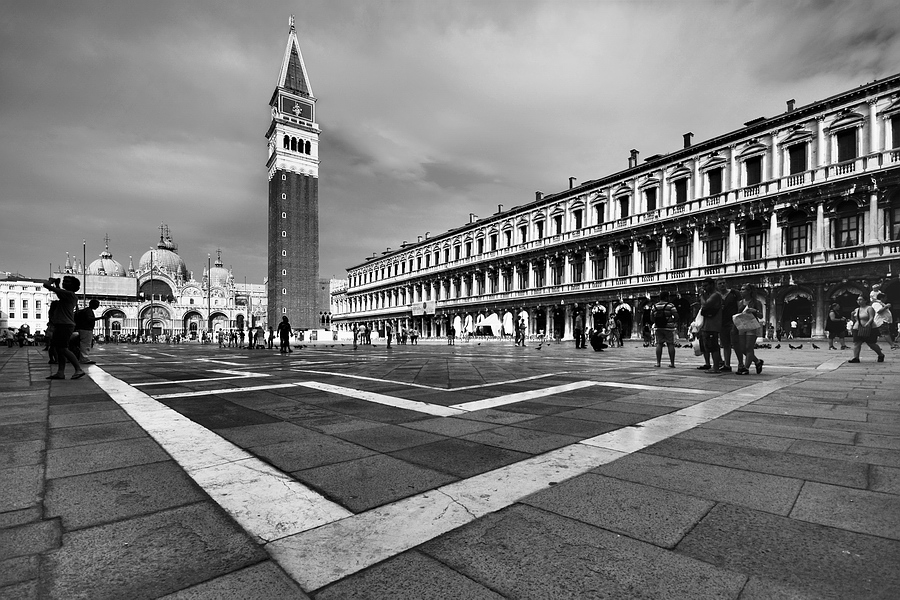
<point x="293" y="71"/>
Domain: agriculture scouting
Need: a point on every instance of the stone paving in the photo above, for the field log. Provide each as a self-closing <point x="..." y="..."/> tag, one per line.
<point x="481" y="470"/>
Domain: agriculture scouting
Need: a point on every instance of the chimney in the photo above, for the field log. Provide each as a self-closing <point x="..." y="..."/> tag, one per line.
<point x="420" y="239"/>
<point x="633" y="160"/>
<point x="539" y="195"/>
<point x="687" y="139"/>
<point x="572" y="181"/>
<point x="790" y="105"/>
<point x="472" y="217"/>
<point x="499" y="208"/>
<point x="426" y="234"/>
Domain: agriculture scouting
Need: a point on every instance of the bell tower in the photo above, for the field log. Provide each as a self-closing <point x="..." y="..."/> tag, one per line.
<point x="293" y="168"/>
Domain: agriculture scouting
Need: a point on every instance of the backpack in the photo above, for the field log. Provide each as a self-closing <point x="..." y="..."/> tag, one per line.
<point x="662" y="319"/>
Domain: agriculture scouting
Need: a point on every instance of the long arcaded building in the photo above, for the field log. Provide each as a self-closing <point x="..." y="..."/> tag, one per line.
<point x="806" y="205"/>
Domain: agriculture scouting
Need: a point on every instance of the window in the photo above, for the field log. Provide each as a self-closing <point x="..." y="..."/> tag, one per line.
<point x="539" y="274"/>
<point x="846" y="226"/>
<point x="523" y="234"/>
<point x="577" y="271"/>
<point x="493" y="242"/>
<point x="507" y="280"/>
<point x="623" y="263"/>
<point x="753" y="170"/>
<point x="283" y="291"/>
<point x="37" y="316"/>
<point x="797" y="240"/>
<point x="846" y="144"/>
<point x="283" y="233"/>
<point x="598" y="266"/>
<point x="715" y="247"/>
<point x="456" y="252"/>
<point x="284" y="215"/>
<point x="650" y="197"/>
<point x="284" y="252"/>
<point x="284" y="196"/>
<point x="12" y="315"/>
<point x="893" y="223"/>
<point x="523" y="278"/>
<point x="24" y="315"/>
<point x="754" y="240"/>
<point x="895" y="131"/>
<point x="578" y="219"/>
<point x="714" y="181"/>
<point x="556" y="271"/>
<point x="284" y="271"/>
<point x="681" y="253"/>
<point x="650" y="257"/>
<point x="539" y="225"/>
<point x="37" y="305"/>
<point x="681" y="189"/>
<point x="446" y="255"/>
<point x="508" y="238"/>
<point x="797" y="158"/>
<point x="25" y="305"/>
<point x="12" y="304"/>
<point x="418" y="263"/>
<point x="480" y="245"/>
<point x="623" y="207"/>
<point x="557" y="225"/>
<point x="600" y="212"/>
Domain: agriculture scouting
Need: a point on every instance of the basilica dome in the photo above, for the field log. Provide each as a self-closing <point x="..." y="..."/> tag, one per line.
<point x="165" y="258"/>
<point x="219" y="275"/>
<point x="105" y="265"/>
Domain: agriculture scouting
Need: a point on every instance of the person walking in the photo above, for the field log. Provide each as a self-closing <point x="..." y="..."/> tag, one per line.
<point x="63" y="318"/>
<point x="579" y="331"/>
<point x="355" y="336"/>
<point x="883" y="315"/>
<point x="84" y="325"/>
<point x="664" y="317"/>
<point x="284" y="335"/>
<point x="711" y="310"/>
<point x="451" y="335"/>
<point x="864" y="330"/>
<point x="746" y="329"/>
<point x="730" y="300"/>
<point x="837" y="327"/>
<point x="388" y="333"/>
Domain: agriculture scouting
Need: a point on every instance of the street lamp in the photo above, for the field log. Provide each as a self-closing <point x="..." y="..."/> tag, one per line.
<point x="208" y="292"/>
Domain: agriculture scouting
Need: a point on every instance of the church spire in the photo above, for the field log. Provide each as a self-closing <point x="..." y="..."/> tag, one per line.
<point x="293" y="76"/>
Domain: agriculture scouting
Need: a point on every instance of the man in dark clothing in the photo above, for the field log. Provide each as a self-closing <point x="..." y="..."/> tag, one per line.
<point x="284" y="334"/>
<point x="579" y="331"/>
<point x="84" y="325"/>
<point x="730" y="299"/>
<point x="711" y="309"/>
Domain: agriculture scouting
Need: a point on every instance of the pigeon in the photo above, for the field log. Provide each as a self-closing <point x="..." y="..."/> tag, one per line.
<point x="800" y="347"/>
<point x="792" y="347"/>
<point x="815" y="347"/>
<point x="778" y="346"/>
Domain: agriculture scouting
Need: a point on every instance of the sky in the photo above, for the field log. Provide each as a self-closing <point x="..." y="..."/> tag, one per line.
<point x="117" y="116"/>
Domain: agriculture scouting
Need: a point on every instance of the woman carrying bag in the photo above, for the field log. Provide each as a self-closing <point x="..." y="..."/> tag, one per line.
<point x="864" y="330"/>
<point x="746" y="330"/>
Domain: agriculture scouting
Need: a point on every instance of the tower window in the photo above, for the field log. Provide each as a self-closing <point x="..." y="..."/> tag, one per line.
<point x="293" y="144"/>
<point x="283" y="311"/>
<point x="284" y="215"/>
<point x="283" y="177"/>
<point x="284" y="252"/>
<point x="284" y="271"/>
<point x="284" y="196"/>
<point x="308" y="148"/>
<point x="283" y="291"/>
<point x="287" y="142"/>
<point x="284" y="233"/>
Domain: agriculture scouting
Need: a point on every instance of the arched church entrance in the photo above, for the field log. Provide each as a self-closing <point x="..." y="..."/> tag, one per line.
<point x="798" y="307"/>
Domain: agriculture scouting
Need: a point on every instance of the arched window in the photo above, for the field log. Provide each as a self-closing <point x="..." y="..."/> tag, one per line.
<point x="294" y="144"/>
<point x="650" y="257"/>
<point x="308" y="148"/>
<point x="754" y="240"/>
<point x="681" y="251"/>
<point x="796" y="240"/>
<point x="846" y="225"/>
<point x="623" y="206"/>
<point x="623" y="260"/>
<point x="287" y="142"/>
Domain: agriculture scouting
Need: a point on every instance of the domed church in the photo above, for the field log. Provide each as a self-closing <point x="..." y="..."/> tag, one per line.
<point x="162" y="298"/>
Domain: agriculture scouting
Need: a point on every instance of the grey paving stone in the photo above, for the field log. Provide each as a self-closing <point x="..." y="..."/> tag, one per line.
<point x="760" y="491"/>
<point x="533" y="407"/>
<point x="566" y="424"/>
<point x="450" y="426"/>
<point x="21" y="453"/>
<point x="828" y="562"/>
<point x="767" y="419"/>
<point x="731" y="438"/>
<point x="496" y="417"/>
<point x="77" y="460"/>
<point x="461" y="458"/>
<point x="248" y="436"/>
<point x="374" y="412"/>
<point x="216" y="413"/>
<point x="88" y="500"/>
<point x="659" y="516"/>
<point x="389" y="438"/>
<point x="845" y="508"/>
<point x="21" y="487"/>
<point x="313" y="450"/>
<point x="27" y="590"/>
<point x="876" y="428"/>
<point x="20" y="517"/>
<point x="91" y="434"/>
<point x="18" y="415"/>
<point x="760" y="588"/>
<point x="864" y="454"/>
<point x="524" y="552"/>
<point x="791" y="433"/>
<point x="18" y="570"/>
<point x="798" y="466"/>
<point x="885" y="479"/>
<point x="262" y="581"/>
<point x="372" y="481"/>
<point x="68" y="409"/>
<point x="521" y="440"/>
<point x="22" y="432"/>
<point x="31" y="538"/>
<point x="89" y="418"/>
<point x="149" y="556"/>
<point x="409" y="576"/>
<point x="338" y="424"/>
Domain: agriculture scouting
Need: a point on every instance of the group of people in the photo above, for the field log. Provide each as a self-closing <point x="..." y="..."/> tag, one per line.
<point x="63" y="324"/>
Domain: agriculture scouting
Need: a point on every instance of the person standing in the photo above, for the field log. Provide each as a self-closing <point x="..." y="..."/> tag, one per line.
<point x="746" y="329"/>
<point x="664" y="316"/>
<point x="711" y="310"/>
<point x="579" y="331"/>
<point x="64" y="324"/>
<point x="864" y="330"/>
<point x="730" y="300"/>
<point x="883" y="316"/>
<point x="837" y="327"/>
<point x="793" y="332"/>
<point x="84" y="325"/>
<point x="451" y="335"/>
<point x="388" y="333"/>
<point x="355" y="336"/>
<point x="284" y="335"/>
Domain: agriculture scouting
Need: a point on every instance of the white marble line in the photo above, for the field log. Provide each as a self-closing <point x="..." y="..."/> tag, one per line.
<point x="652" y="388"/>
<point x="267" y="503"/>
<point x="221" y="362"/>
<point x="349" y="376"/>
<point x="320" y="556"/>
<point x="430" y="387"/>
<point x="423" y="407"/>
<point x="254" y="388"/>
<point x="520" y="396"/>
<point x="233" y="375"/>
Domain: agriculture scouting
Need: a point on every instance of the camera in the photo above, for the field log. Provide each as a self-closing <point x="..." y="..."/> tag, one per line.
<point x="56" y="281"/>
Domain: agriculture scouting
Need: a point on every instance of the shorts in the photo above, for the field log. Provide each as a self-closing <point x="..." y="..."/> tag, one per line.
<point x="61" y="336"/>
<point x="725" y="334"/>
<point x="665" y="336"/>
<point x="710" y="341"/>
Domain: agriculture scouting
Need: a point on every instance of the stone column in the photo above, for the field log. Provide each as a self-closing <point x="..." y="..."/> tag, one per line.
<point x="875" y="231"/>
<point x="637" y="268"/>
<point x="774" y="238"/>
<point x="821" y="143"/>
<point x="664" y="259"/>
<point x="567" y="267"/>
<point x="874" y="130"/>
<point x="697" y="254"/>
<point x="819" y="240"/>
<point x="734" y="243"/>
<point x="568" y="332"/>
<point x="821" y="314"/>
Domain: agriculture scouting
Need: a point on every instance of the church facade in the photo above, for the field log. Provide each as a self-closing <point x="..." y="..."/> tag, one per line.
<point x="293" y="172"/>
<point x="805" y="205"/>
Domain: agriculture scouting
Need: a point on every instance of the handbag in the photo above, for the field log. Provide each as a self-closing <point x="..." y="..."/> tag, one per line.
<point x="862" y="332"/>
<point x="696" y="345"/>
<point x="745" y="321"/>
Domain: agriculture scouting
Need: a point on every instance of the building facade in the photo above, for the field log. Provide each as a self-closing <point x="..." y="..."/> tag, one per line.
<point x="805" y="205"/>
<point x="293" y="170"/>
